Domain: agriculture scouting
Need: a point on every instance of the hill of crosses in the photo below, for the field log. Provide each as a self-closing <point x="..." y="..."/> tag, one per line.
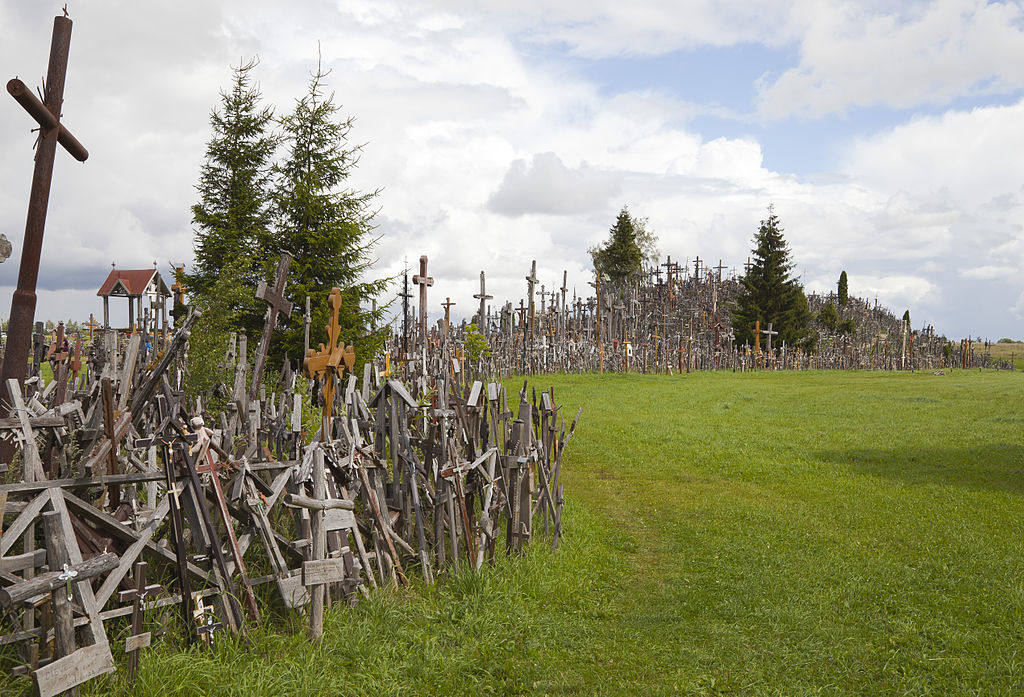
<point x="131" y="502"/>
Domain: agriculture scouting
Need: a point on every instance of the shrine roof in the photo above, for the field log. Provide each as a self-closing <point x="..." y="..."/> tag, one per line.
<point x="130" y="282"/>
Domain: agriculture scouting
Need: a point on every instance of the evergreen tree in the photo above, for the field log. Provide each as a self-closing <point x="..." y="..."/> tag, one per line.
<point x="769" y="292"/>
<point x="233" y="216"/>
<point x="843" y="292"/>
<point x="629" y="244"/>
<point x="829" y="317"/>
<point x="327" y="227"/>
<point x="906" y="318"/>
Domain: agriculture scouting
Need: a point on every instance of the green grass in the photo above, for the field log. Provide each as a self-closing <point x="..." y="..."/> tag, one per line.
<point x="758" y="534"/>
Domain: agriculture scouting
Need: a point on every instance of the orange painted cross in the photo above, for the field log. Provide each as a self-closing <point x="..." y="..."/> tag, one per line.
<point x="330" y="361"/>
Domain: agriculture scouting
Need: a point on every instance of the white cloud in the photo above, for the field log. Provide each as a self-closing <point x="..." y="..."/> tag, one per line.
<point x="546" y="185"/>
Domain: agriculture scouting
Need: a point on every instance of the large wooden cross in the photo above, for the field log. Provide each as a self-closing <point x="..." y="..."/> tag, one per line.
<point x="276" y="302"/>
<point x="423" y="281"/>
<point x="447" y="304"/>
<point x="330" y="360"/>
<point x="483" y="297"/>
<point x="769" y="333"/>
<point x="47" y="114"/>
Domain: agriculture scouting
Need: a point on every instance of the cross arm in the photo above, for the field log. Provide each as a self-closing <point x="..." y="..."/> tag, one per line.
<point x="46" y="120"/>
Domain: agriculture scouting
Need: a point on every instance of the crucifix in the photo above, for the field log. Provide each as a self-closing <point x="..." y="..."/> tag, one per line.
<point x="276" y="302"/>
<point x="406" y="296"/>
<point x="531" y="282"/>
<point x="483" y="297"/>
<point x="423" y="281"/>
<point x="47" y="114"/>
<point x="447" y="304"/>
<point x="330" y="361"/>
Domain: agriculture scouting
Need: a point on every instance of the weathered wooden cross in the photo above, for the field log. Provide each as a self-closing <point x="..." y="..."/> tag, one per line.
<point x="447" y="304"/>
<point x="423" y="281"/>
<point x="276" y="302"/>
<point x="769" y="333"/>
<point x="483" y="297"/>
<point x="47" y="114"/>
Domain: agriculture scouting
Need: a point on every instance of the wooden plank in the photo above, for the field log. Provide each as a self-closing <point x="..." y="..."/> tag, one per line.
<point x="339" y="519"/>
<point x="23" y="521"/>
<point x="20" y="562"/>
<point x="320" y="571"/>
<point x="137" y="641"/>
<point x="133" y="552"/>
<point x="65" y="673"/>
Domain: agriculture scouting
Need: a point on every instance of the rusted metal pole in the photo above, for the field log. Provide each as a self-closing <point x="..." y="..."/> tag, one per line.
<point x="23" y="304"/>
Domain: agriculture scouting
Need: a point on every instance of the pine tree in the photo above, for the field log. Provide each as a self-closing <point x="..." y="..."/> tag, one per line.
<point x="906" y="318"/>
<point x="828" y="316"/>
<point x="233" y="216"/>
<point x="628" y="245"/>
<point x="327" y="227"/>
<point x="770" y="293"/>
<point x="843" y="292"/>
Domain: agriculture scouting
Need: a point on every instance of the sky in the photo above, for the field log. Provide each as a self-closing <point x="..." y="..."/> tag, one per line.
<point x="887" y="136"/>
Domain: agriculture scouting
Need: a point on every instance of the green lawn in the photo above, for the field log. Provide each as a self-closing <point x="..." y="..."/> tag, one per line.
<point x="758" y="534"/>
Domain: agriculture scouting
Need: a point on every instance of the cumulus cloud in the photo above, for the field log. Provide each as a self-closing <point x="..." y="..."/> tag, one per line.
<point x="546" y="185"/>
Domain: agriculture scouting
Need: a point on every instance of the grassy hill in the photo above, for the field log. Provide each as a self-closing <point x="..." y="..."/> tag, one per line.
<point x="753" y="534"/>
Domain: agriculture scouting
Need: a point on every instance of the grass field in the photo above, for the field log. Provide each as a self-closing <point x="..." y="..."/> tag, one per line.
<point x="758" y="534"/>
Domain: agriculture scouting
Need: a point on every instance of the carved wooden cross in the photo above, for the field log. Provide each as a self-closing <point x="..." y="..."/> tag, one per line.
<point x="423" y="280"/>
<point x="483" y="297"/>
<point x="447" y="304"/>
<point x="330" y="361"/>
<point x="47" y="114"/>
<point x="276" y="302"/>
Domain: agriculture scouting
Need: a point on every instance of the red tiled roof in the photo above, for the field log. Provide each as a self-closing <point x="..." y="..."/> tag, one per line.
<point x="133" y="280"/>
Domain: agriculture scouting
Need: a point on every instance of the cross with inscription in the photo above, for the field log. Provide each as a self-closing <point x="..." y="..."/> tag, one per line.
<point x="423" y="281"/>
<point x="276" y="302"/>
<point x="47" y="114"/>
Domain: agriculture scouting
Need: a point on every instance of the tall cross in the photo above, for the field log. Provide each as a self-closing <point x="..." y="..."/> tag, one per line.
<point x="483" y="297"/>
<point x="330" y="361"/>
<point x="769" y="333"/>
<point x="748" y="266"/>
<point x="447" y="304"/>
<point x="47" y="114"/>
<point x="423" y="281"/>
<point x="406" y="296"/>
<point x="564" y="289"/>
<point x="276" y="302"/>
<point x="531" y="282"/>
<point x="719" y="269"/>
<point x="696" y="267"/>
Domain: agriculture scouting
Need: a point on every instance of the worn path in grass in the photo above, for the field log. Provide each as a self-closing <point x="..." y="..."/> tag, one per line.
<point x="758" y="534"/>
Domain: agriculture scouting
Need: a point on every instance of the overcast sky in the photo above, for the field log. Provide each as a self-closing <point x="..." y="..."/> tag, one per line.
<point x="890" y="138"/>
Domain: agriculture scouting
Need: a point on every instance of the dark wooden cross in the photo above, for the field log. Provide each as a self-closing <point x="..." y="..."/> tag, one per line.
<point x="47" y="114"/>
<point x="719" y="269"/>
<point x="748" y="266"/>
<point x="276" y="302"/>
<point x="423" y="281"/>
<point x="531" y="284"/>
<point x="483" y="297"/>
<point x="138" y="639"/>
<point x="696" y="267"/>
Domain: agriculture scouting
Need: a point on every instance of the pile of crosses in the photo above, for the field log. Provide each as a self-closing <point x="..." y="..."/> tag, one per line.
<point x="671" y="322"/>
<point x="123" y="506"/>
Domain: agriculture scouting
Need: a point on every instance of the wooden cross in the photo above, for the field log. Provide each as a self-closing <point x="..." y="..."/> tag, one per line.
<point x="447" y="304"/>
<point x="483" y="297"/>
<point x="139" y="639"/>
<point x="47" y="114"/>
<point x="276" y="302"/>
<point x="769" y="333"/>
<point x="531" y="283"/>
<point x="331" y="360"/>
<point x="423" y="281"/>
<point x="696" y="267"/>
<point x="689" y="347"/>
<point x="719" y="269"/>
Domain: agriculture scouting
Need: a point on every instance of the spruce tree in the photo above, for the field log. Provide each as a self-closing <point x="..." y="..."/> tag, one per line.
<point x="842" y="291"/>
<point x="828" y="316"/>
<point x="233" y="216"/>
<point x="628" y="245"/>
<point x="906" y="318"/>
<point x="327" y="227"/>
<point x="769" y="292"/>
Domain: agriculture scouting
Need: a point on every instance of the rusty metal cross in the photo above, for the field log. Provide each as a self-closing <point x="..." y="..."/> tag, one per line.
<point x="47" y="114"/>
